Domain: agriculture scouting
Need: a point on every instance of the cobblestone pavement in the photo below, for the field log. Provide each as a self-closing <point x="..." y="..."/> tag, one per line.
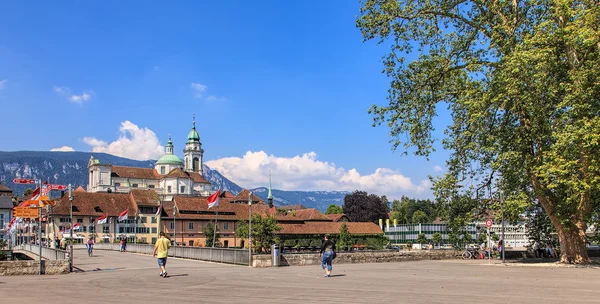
<point x="114" y="277"/>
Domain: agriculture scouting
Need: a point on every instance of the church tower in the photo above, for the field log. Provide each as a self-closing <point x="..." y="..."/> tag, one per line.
<point x="270" y="196"/>
<point x="193" y="152"/>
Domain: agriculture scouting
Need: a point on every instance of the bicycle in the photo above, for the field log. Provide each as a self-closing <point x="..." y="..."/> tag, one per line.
<point x="470" y="253"/>
<point x="90" y="250"/>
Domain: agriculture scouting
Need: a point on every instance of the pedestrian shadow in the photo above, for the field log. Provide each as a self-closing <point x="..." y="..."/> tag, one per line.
<point x="177" y="275"/>
<point x="337" y="275"/>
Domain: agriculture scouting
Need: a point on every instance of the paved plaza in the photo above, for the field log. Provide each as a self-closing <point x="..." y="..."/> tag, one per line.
<point x="114" y="277"/>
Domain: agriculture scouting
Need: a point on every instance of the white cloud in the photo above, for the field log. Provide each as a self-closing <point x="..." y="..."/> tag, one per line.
<point x="437" y="168"/>
<point x="67" y="93"/>
<point x="216" y="98"/>
<point x="133" y="142"/>
<point x="62" y="149"/>
<point x="306" y="172"/>
<point x="199" y="89"/>
<point x="3" y="83"/>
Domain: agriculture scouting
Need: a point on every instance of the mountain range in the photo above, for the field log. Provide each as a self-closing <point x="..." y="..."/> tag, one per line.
<point x="71" y="168"/>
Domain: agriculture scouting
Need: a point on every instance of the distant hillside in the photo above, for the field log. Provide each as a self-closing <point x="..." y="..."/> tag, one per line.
<point x="71" y="168"/>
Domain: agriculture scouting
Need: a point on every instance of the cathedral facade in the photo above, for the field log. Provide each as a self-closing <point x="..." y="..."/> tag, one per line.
<point x="170" y="176"/>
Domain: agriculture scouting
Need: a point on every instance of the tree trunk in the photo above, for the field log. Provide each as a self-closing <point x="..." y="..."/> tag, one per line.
<point x="572" y="242"/>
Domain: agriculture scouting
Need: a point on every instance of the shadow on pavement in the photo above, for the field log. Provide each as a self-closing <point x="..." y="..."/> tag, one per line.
<point x="337" y="275"/>
<point x="176" y="275"/>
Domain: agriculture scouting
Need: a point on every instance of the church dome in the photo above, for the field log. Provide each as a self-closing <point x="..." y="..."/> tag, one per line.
<point x="169" y="159"/>
<point x="193" y="136"/>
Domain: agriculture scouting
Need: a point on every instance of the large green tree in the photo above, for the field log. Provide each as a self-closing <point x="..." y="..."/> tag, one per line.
<point x="345" y="241"/>
<point x="334" y="209"/>
<point x="209" y="233"/>
<point x="360" y="206"/>
<point x="521" y="80"/>
<point x="264" y="229"/>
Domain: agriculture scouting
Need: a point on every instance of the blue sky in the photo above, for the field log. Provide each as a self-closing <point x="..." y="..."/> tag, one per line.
<point x="284" y="77"/>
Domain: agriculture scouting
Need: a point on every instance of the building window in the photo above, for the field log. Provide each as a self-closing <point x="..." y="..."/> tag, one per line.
<point x="172" y="225"/>
<point x="182" y="189"/>
<point x="1" y="220"/>
<point x="153" y="220"/>
<point x="168" y="189"/>
<point x="65" y="219"/>
<point x="117" y="184"/>
<point x="190" y="226"/>
<point x="151" y="186"/>
<point x="154" y="230"/>
<point x="143" y="219"/>
<point x="225" y="226"/>
<point x="80" y="220"/>
<point x="191" y="243"/>
<point x="226" y="244"/>
<point x="92" y="229"/>
<point x="162" y="170"/>
<point x="98" y="209"/>
<point x="154" y="240"/>
<point x="134" y="185"/>
<point x="105" y="229"/>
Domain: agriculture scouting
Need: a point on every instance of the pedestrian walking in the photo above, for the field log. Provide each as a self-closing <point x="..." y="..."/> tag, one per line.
<point x="161" y="250"/>
<point x="328" y="254"/>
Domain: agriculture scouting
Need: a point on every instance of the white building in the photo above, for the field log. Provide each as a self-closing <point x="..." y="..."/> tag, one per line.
<point x="170" y="175"/>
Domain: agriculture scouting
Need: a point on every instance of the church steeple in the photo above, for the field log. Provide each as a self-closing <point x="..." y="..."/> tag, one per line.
<point x="270" y="196"/>
<point x="193" y="152"/>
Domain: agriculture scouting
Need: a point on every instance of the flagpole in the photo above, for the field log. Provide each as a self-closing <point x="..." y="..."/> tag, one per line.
<point x="135" y="229"/>
<point x="175" y="224"/>
<point x="215" y="227"/>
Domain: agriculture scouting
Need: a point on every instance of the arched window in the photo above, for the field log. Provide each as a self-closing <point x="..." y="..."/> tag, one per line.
<point x="196" y="165"/>
<point x="162" y="170"/>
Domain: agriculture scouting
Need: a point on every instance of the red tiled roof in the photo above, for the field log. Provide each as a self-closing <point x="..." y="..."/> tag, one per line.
<point x="197" y="208"/>
<point x="243" y="197"/>
<point x="3" y="188"/>
<point x="356" y="228"/>
<point x="177" y="172"/>
<point x="293" y="207"/>
<point x="336" y="217"/>
<point x="227" y="194"/>
<point x="79" y="189"/>
<point x="85" y="202"/>
<point x="311" y="214"/>
<point x="145" y="197"/>
<point x="132" y="172"/>
<point x="198" y="178"/>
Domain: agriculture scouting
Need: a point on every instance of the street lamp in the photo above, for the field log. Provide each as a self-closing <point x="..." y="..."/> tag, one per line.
<point x="250" y="229"/>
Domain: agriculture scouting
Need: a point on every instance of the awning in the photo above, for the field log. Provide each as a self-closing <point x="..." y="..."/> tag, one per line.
<point x="66" y="236"/>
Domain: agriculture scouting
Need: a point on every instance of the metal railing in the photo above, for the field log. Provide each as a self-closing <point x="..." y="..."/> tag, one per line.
<point x="47" y="253"/>
<point x="220" y="255"/>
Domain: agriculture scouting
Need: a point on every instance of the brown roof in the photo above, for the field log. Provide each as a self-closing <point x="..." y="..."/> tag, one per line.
<point x="243" y="197"/>
<point x="79" y="189"/>
<point x="132" y="172"/>
<point x="336" y="217"/>
<point x="3" y="188"/>
<point x="293" y="207"/>
<point x="227" y="194"/>
<point x="177" y="172"/>
<point x="85" y="202"/>
<point x="145" y="197"/>
<point x="198" y="178"/>
<point x="197" y="208"/>
<point x="311" y="214"/>
<point x="356" y="228"/>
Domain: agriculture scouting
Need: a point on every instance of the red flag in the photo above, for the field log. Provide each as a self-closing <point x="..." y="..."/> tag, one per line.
<point x="123" y="215"/>
<point x="213" y="200"/>
<point x="102" y="219"/>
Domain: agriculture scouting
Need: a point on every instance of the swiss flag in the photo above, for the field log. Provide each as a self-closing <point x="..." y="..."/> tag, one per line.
<point x="213" y="200"/>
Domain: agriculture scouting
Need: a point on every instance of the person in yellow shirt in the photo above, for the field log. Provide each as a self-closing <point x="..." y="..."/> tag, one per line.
<point x="161" y="250"/>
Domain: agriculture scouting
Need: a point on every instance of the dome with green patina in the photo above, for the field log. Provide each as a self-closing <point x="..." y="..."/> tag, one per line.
<point x="193" y="136"/>
<point x="169" y="159"/>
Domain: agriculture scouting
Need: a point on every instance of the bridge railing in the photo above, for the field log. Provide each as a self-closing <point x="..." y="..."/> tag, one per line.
<point x="220" y="255"/>
<point x="47" y="253"/>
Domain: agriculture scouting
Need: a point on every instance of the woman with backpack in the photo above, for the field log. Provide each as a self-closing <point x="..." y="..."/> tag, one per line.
<point x="328" y="254"/>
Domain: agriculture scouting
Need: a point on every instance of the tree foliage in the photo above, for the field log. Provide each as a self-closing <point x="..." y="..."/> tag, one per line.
<point x="422" y="238"/>
<point x="209" y="232"/>
<point x="521" y="80"/>
<point x="345" y="240"/>
<point x="263" y="231"/>
<point x="360" y="206"/>
<point x="334" y="209"/>
<point x="436" y="238"/>
<point x="404" y="211"/>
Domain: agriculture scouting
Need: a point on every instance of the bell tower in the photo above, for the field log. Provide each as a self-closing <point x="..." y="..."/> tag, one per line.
<point x="193" y="152"/>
